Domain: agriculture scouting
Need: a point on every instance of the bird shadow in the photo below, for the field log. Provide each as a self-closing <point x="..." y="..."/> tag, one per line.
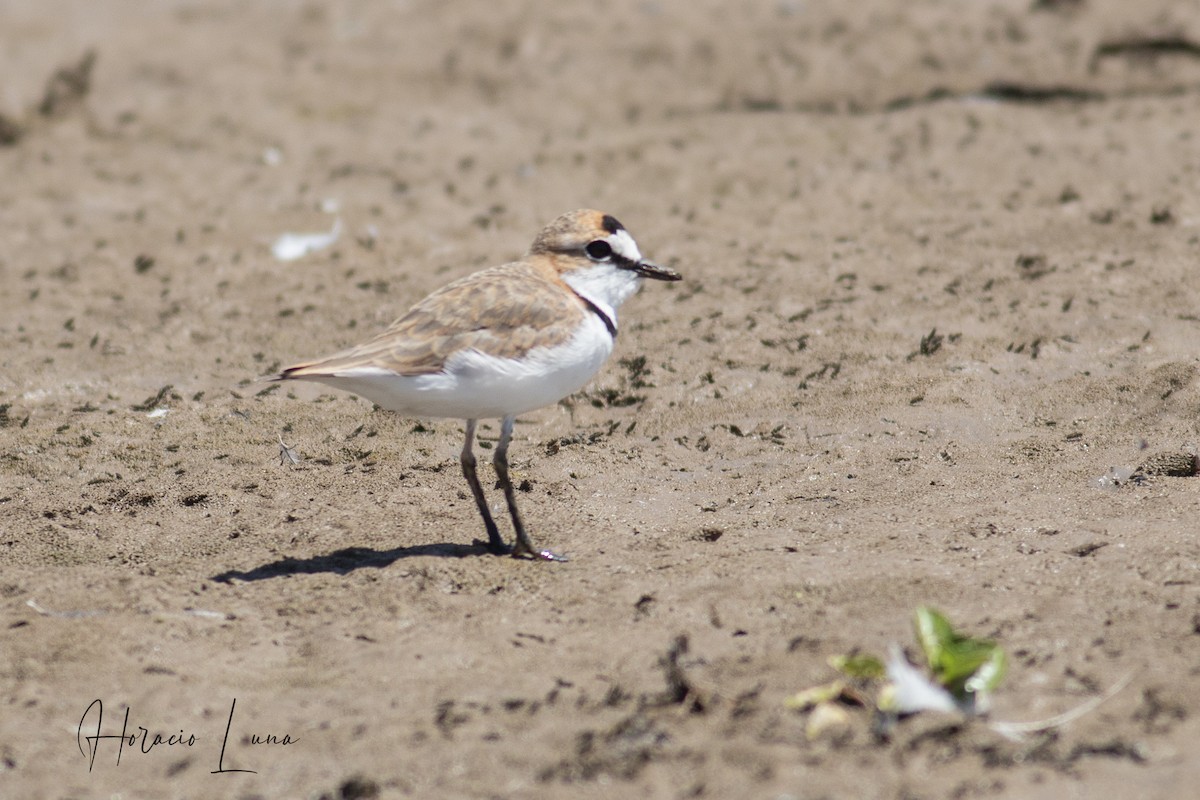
<point x="349" y="559"/>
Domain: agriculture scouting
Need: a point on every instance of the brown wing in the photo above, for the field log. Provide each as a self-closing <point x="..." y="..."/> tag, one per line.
<point x="504" y="311"/>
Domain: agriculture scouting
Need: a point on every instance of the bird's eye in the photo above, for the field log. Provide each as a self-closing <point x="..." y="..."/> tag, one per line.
<point x="598" y="250"/>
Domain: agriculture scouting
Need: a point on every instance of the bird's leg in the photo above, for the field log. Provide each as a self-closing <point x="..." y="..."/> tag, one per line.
<point x="523" y="546"/>
<point x="467" y="459"/>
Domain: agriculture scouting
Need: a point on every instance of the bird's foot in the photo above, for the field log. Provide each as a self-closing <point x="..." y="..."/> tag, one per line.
<point x="495" y="547"/>
<point x="520" y="550"/>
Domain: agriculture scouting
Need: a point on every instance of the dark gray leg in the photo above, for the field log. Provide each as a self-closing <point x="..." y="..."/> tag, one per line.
<point x="467" y="459"/>
<point x="523" y="547"/>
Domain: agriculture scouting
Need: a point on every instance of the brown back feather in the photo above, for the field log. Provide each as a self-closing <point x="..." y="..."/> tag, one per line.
<point x="488" y="311"/>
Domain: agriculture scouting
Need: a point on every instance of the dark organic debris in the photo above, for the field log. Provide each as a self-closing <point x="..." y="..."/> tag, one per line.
<point x="1033" y="266"/>
<point x="934" y="95"/>
<point x="1173" y="464"/>
<point x="621" y="751"/>
<point x="1085" y="550"/>
<point x="1162" y="215"/>
<point x="64" y="92"/>
<point x="1047" y="748"/>
<point x="931" y="343"/>
<point x="1034" y="347"/>
<point x="828" y="371"/>
<point x="154" y="401"/>
<point x="68" y="86"/>
<point x="1157" y="713"/>
<point x="1114" y="748"/>
<point x="1001" y="91"/>
<point x="553" y="446"/>
<point x="1148" y="47"/>
<point x="636" y="366"/>
<point x="1012" y="92"/>
<point x="11" y="131"/>
<point x="355" y="788"/>
<point x="680" y="691"/>
<point x="1057" y="5"/>
<point x="608" y="397"/>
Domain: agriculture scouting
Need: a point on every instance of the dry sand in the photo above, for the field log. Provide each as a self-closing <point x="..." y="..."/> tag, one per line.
<point x="940" y="279"/>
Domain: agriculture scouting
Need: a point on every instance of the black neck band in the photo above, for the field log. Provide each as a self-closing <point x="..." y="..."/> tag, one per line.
<point x="599" y="312"/>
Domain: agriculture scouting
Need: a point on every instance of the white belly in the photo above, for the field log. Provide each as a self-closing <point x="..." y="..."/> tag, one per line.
<point x="474" y="385"/>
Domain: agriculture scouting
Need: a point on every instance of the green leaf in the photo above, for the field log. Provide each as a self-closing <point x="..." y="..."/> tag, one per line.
<point x="988" y="677"/>
<point x="859" y="665"/>
<point x="960" y="663"/>
<point x="804" y="700"/>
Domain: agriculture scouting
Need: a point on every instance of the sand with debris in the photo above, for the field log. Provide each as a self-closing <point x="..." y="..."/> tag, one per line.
<point x="939" y="307"/>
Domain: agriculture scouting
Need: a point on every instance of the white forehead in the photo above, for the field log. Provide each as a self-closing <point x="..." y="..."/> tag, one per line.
<point x="624" y="245"/>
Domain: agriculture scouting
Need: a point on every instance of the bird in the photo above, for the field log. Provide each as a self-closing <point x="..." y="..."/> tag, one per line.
<point x="501" y="342"/>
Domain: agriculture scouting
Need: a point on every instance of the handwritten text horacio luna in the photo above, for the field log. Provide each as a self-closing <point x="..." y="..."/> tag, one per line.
<point x="138" y="741"/>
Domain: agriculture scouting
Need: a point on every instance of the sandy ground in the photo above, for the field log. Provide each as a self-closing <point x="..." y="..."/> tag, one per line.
<point x="940" y="280"/>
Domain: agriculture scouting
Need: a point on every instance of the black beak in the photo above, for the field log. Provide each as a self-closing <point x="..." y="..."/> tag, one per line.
<point x="648" y="270"/>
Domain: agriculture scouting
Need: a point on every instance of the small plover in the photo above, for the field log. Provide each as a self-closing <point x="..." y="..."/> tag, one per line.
<point x="501" y="342"/>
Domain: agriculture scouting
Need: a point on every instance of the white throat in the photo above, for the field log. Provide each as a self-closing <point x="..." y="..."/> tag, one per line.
<point x="605" y="285"/>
